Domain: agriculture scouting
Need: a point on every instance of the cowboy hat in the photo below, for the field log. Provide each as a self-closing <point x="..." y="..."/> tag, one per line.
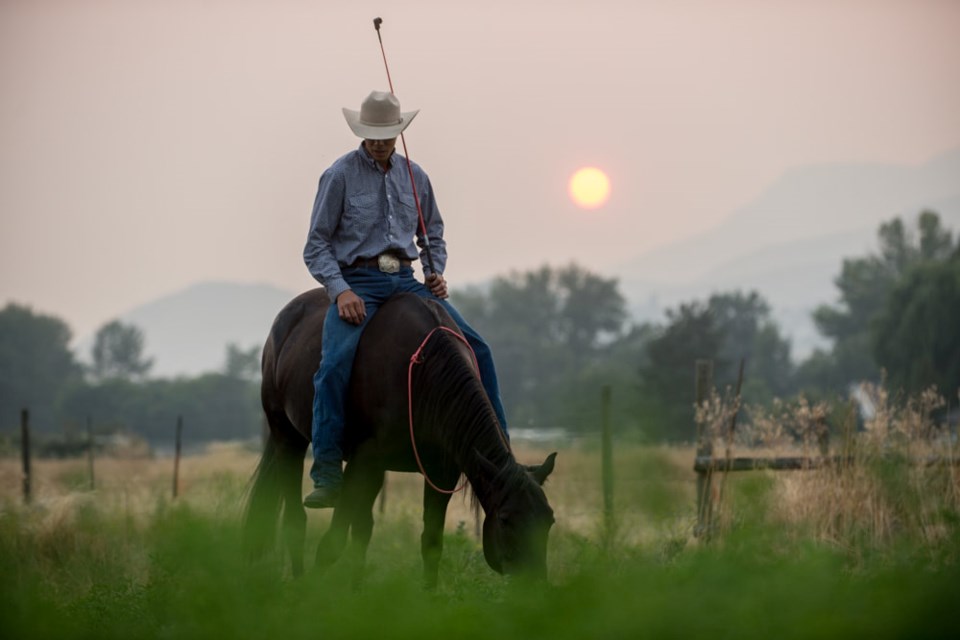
<point x="379" y="117"/>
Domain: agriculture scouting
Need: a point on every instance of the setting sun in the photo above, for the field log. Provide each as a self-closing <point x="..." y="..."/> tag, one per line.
<point x="589" y="187"/>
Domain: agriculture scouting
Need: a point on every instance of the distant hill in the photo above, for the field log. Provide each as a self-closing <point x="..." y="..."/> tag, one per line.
<point x="790" y="242"/>
<point x="187" y="333"/>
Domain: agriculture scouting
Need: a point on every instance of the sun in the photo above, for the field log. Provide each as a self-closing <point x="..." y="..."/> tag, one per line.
<point x="589" y="187"/>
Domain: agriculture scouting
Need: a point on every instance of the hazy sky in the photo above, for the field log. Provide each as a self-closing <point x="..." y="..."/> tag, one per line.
<point x="145" y="146"/>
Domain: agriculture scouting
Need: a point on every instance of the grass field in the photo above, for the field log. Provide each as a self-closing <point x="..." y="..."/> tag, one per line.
<point x="870" y="552"/>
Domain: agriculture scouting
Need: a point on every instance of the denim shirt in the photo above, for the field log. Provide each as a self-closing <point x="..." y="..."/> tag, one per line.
<point x="362" y="210"/>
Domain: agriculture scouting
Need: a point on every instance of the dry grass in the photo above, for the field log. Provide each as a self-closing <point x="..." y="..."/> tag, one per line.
<point x="133" y="485"/>
<point x="654" y="507"/>
<point x="881" y="493"/>
<point x="214" y="481"/>
<point x="126" y="560"/>
<point x="878" y="501"/>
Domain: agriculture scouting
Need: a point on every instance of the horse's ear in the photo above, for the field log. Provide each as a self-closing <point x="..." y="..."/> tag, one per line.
<point x="540" y="473"/>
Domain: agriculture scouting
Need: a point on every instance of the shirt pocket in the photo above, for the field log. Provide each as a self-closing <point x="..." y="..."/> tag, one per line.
<point x="362" y="208"/>
<point x="408" y="211"/>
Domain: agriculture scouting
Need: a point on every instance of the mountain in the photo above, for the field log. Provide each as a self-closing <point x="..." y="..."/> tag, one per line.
<point x="187" y="333"/>
<point x="789" y="244"/>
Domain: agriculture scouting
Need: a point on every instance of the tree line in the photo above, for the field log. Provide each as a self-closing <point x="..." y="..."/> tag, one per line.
<point x="38" y="371"/>
<point x="558" y="334"/>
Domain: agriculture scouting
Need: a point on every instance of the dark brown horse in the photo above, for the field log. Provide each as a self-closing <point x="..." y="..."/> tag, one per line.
<point x="456" y="433"/>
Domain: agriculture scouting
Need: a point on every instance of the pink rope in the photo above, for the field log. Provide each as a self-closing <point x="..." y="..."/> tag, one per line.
<point x="415" y="359"/>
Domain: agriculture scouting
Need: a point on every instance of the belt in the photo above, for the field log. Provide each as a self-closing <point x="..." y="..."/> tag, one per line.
<point x="386" y="262"/>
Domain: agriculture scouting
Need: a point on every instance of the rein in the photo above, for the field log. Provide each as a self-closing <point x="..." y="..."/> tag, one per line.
<point x="416" y="358"/>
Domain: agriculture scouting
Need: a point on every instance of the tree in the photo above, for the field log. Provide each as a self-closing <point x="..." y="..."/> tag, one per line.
<point x="692" y="332"/>
<point x="545" y="327"/>
<point x="36" y="364"/>
<point x="242" y="364"/>
<point x="750" y="334"/>
<point x="936" y="243"/>
<point x="118" y="352"/>
<point x="865" y="284"/>
<point x="819" y="375"/>
<point x="727" y="328"/>
<point x="590" y="308"/>
<point x="213" y="407"/>
<point x="916" y="337"/>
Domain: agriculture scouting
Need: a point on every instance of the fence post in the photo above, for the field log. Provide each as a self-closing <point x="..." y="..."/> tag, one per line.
<point x="704" y="384"/>
<point x="607" y="463"/>
<point x="90" y="450"/>
<point x="176" y="457"/>
<point x="25" y="449"/>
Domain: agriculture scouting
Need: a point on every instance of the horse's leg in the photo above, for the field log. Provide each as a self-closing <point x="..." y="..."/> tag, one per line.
<point x="332" y="543"/>
<point x="294" y="515"/>
<point x="431" y="540"/>
<point x="364" y="477"/>
<point x="277" y="485"/>
<point x="354" y="513"/>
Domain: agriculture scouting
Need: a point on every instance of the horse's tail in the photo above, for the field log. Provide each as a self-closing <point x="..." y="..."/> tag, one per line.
<point x="276" y="486"/>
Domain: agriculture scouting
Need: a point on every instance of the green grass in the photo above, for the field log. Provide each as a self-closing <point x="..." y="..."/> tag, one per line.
<point x="96" y="572"/>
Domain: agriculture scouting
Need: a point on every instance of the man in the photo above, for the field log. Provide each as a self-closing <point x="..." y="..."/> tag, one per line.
<point x="361" y="248"/>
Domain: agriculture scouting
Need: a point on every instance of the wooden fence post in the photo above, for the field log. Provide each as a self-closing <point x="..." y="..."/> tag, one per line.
<point x="176" y="457"/>
<point x="90" y="450"/>
<point x="25" y="449"/>
<point x="704" y="384"/>
<point x="607" y="464"/>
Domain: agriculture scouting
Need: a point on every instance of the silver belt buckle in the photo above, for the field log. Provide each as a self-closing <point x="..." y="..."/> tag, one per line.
<point x="388" y="263"/>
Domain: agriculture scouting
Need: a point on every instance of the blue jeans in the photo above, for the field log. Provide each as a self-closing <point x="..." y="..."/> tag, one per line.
<point x="340" y="340"/>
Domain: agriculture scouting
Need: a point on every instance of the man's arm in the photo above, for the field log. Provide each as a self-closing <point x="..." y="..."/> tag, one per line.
<point x="318" y="253"/>
<point x="438" y="246"/>
<point x="434" y="223"/>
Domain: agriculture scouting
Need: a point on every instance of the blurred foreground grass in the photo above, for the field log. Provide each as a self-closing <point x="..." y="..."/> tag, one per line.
<point x="128" y="561"/>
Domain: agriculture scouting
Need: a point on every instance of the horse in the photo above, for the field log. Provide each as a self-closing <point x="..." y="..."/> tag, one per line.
<point x="430" y="415"/>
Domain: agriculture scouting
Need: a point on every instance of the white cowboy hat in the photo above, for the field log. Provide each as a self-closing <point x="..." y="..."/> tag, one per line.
<point x="379" y="117"/>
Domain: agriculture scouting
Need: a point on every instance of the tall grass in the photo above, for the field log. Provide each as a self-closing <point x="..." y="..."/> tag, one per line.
<point x="870" y="549"/>
<point x="892" y="485"/>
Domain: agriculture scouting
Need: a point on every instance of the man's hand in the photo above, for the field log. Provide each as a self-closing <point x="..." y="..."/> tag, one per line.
<point x="351" y="307"/>
<point x="437" y="286"/>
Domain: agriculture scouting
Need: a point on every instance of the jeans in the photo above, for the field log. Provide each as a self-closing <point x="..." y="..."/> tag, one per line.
<point x="340" y="340"/>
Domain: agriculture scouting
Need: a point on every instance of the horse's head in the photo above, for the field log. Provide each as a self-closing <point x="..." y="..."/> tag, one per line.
<point x="516" y="528"/>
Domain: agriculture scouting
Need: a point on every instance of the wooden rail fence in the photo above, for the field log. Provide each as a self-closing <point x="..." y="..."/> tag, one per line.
<point x="27" y="457"/>
<point x="706" y="463"/>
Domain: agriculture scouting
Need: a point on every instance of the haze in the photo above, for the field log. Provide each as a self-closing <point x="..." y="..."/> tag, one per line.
<point x="147" y="146"/>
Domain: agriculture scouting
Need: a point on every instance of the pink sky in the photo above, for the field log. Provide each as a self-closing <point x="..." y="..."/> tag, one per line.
<point x="146" y="146"/>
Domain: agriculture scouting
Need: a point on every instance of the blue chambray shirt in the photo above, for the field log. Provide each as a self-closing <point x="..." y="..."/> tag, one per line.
<point x="362" y="211"/>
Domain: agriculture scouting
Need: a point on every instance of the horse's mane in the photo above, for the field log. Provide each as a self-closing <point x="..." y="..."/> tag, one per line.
<point x="450" y="397"/>
<point x="449" y="394"/>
